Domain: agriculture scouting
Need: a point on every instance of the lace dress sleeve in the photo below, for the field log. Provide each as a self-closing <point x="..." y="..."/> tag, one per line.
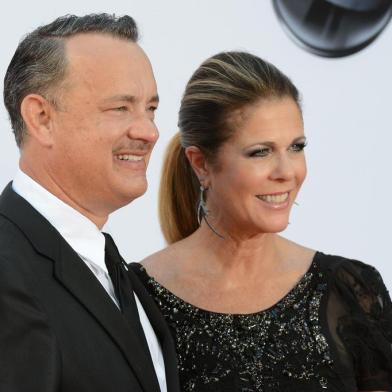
<point x="363" y="324"/>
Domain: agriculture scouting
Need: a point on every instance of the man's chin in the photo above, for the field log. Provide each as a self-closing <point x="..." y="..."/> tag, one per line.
<point x="123" y="191"/>
<point x="134" y="192"/>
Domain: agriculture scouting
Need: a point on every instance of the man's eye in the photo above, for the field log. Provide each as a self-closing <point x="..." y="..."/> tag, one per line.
<point x="120" y="109"/>
<point x="152" y="109"/>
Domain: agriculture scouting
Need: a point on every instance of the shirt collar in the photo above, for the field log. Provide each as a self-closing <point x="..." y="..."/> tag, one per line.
<point x="82" y="234"/>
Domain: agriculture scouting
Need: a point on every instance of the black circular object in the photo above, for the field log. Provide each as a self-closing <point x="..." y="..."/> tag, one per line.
<point x="333" y="28"/>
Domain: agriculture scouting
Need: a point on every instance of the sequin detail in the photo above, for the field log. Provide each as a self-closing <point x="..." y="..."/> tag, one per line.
<point x="263" y="351"/>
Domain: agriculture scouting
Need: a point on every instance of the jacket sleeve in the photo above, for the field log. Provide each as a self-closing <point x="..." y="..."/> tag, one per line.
<point x="29" y="356"/>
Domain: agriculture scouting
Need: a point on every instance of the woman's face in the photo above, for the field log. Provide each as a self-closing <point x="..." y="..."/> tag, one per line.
<point x="259" y="170"/>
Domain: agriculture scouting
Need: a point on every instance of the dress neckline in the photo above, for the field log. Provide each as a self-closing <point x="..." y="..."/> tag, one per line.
<point x="288" y="298"/>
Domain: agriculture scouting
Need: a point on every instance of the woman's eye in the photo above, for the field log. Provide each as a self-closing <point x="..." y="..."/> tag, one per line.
<point x="298" y="146"/>
<point x="152" y="109"/>
<point x="261" y="152"/>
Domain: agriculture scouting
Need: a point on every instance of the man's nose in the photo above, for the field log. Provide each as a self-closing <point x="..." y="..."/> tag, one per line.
<point x="143" y="128"/>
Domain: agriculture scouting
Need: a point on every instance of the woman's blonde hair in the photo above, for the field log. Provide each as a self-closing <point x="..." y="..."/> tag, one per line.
<point x="222" y="84"/>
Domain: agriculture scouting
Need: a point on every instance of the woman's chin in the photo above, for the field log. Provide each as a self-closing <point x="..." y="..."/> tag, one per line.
<point x="274" y="227"/>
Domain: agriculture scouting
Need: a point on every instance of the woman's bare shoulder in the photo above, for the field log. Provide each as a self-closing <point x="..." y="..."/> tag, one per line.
<point x="162" y="265"/>
<point x="296" y="254"/>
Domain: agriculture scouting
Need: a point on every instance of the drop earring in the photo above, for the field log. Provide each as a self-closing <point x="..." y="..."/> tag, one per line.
<point x="202" y="211"/>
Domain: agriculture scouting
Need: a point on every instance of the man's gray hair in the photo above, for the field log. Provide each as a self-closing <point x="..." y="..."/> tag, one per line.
<point x="39" y="64"/>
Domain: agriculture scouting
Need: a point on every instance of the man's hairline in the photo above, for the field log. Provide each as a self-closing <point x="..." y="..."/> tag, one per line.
<point x="53" y="91"/>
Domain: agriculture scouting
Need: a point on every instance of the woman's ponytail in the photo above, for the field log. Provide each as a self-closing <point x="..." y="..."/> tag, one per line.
<point x="178" y="194"/>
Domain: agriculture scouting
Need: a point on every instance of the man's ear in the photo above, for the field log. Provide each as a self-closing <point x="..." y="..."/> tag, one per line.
<point x="197" y="160"/>
<point x="37" y="113"/>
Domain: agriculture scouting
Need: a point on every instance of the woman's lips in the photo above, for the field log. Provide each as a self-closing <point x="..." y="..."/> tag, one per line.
<point x="275" y="198"/>
<point x="275" y="201"/>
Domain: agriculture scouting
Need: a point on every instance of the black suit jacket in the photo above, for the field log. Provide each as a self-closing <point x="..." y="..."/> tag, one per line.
<point x="59" y="330"/>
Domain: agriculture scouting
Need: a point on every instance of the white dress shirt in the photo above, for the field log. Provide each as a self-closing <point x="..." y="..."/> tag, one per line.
<point x="88" y="242"/>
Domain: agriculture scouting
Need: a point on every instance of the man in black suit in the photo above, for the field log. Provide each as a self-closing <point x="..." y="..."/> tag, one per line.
<point x="81" y="96"/>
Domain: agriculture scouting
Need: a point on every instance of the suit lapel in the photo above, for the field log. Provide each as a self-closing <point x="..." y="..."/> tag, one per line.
<point x="76" y="276"/>
<point x="73" y="273"/>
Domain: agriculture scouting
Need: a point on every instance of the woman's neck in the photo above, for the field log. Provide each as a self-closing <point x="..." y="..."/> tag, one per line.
<point x="234" y="257"/>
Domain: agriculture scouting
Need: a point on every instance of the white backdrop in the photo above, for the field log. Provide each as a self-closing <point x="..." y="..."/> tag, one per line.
<point x="345" y="204"/>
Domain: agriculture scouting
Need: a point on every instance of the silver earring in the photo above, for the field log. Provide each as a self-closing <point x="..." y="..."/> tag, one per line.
<point x="202" y="210"/>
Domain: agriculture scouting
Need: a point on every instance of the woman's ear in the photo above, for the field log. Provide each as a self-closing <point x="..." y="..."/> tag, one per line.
<point x="197" y="160"/>
<point x="37" y="114"/>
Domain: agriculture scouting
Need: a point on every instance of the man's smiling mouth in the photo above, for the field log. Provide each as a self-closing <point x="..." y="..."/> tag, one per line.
<point x="129" y="157"/>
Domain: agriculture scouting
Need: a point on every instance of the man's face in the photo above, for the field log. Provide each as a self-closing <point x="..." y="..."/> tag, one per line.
<point x="103" y="128"/>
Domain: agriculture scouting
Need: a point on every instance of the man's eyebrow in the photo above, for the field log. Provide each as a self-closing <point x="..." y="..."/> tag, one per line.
<point x="129" y="98"/>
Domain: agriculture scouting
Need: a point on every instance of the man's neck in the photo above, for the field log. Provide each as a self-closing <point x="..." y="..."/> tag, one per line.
<point x="50" y="185"/>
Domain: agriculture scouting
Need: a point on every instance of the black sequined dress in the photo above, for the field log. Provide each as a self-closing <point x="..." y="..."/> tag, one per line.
<point x="331" y="332"/>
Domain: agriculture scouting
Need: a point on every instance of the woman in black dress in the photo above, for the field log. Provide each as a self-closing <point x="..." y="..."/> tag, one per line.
<point x="249" y="309"/>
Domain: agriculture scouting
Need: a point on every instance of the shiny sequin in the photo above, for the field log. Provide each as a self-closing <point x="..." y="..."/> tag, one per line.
<point x="263" y="351"/>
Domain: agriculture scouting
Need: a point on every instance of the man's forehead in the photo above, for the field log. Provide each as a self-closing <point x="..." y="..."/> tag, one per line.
<point x="89" y="55"/>
<point x="108" y="66"/>
<point x="100" y="45"/>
